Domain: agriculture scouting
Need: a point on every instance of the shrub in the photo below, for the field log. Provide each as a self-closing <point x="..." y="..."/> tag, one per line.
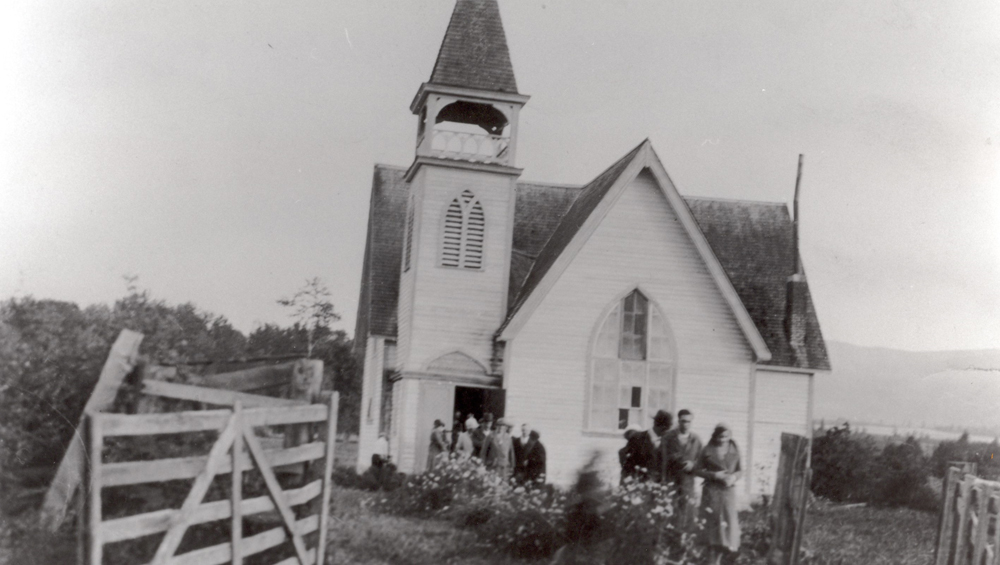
<point x="842" y="464"/>
<point x="433" y="491"/>
<point x="900" y="478"/>
<point x="848" y="468"/>
<point x="640" y="522"/>
<point x="629" y="524"/>
<point x="523" y="522"/>
<point x="982" y="454"/>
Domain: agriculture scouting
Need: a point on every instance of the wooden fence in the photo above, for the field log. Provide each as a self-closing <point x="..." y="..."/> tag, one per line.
<point x="969" y="531"/>
<point x="236" y="450"/>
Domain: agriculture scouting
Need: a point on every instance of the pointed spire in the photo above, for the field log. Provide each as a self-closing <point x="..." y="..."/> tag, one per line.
<point x="474" y="51"/>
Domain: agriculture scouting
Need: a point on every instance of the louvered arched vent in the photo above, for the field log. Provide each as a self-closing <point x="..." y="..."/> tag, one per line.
<point x="464" y="233"/>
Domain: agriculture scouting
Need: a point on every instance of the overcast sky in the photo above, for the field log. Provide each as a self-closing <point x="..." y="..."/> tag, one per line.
<point x="223" y="151"/>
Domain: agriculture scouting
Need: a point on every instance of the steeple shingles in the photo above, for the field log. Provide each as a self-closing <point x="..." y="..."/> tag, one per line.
<point x="474" y="52"/>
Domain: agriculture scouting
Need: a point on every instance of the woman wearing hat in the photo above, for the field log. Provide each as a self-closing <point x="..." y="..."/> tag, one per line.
<point x="438" y="444"/>
<point x="719" y="465"/>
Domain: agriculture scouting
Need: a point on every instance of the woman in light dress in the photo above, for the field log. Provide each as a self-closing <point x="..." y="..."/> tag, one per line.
<point x="719" y="465"/>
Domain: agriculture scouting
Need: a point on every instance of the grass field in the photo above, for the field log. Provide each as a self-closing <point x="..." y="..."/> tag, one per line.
<point x="871" y="536"/>
<point x="834" y="535"/>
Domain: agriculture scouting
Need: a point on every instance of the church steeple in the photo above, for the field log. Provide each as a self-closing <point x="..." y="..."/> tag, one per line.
<point x="469" y="108"/>
<point x="474" y="52"/>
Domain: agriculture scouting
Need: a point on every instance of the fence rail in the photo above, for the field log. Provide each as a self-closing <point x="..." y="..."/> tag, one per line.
<point x="236" y="450"/>
<point x="969" y="532"/>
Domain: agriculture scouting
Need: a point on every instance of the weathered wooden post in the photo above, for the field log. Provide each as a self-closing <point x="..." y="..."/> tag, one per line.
<point x="333" y="402"/>
<point x="791" y="494"/>
<point x="305" y="385"/>
<point x="121" y="360"/>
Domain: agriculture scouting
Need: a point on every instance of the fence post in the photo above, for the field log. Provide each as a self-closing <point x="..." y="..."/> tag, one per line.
<point x="790" y="493"/>
<point x="331" y="445"/>
<point x="995" y="499"/>
<point x="237" y="488"/>
<point x="800" y="520"/>
<point x="963" y="510"/>
<point x="96" y="544"/>
<point x="947" y="520"/>
<point x="982" y="522"/>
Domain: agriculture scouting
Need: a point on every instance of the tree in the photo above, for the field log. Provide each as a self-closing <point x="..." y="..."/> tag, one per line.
<point x="340" y="368"/>
<point x="311" y="309"/>
<point x="51" y="353"/>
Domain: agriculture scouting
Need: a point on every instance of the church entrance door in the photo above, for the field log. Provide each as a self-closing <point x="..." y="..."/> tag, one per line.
<point x="477" y="401"/>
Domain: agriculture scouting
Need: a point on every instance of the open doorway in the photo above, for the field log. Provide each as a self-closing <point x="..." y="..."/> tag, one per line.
<point x="476" y="402"/>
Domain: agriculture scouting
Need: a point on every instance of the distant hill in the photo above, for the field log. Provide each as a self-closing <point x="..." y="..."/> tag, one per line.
<point x="958" y="388"/>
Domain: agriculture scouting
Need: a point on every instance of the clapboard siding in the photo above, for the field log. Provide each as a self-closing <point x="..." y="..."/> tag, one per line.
<point x="404" y="316"/>
<point x="781" y="404"/>
<point x="457" y="309"/>
<point x="405" y="400"/>
<point x="639" y="243"/>
<point x="371" y="394"/>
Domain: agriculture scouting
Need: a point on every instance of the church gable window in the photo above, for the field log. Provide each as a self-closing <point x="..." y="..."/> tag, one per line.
<point x="464" y="233"/>
<point x="632" y="366"/>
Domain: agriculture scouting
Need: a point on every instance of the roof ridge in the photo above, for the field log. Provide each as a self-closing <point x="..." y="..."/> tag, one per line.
<point x="565" y="231"/>
<point x="740" y="200"/>
<point x="551" y="184"/>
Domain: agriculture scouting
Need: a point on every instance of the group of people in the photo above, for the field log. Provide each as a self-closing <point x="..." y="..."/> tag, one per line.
<point x="521" y="458"/>
<point x="676" y="456"/>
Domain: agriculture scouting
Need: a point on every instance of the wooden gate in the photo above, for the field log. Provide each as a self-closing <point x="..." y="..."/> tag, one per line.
<point x="969" y="531"/>
<point x="236" y="450"/>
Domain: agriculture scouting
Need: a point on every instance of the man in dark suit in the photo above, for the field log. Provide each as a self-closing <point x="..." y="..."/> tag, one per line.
<point x="642" y="460"/>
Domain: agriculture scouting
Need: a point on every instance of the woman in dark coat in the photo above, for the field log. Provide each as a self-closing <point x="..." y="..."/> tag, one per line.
<point x="719" y="465"/>
<point x="438" y="444"/>
<point x="534" y="459"/>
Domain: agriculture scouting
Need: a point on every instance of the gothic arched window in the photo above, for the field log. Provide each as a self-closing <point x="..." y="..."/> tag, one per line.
<point x="464" y="233"/>
<point x="632" y="366"/>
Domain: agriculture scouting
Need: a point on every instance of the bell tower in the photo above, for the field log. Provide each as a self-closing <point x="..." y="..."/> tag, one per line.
<point x="459" y="220"/>
<point x="456" y="257"/>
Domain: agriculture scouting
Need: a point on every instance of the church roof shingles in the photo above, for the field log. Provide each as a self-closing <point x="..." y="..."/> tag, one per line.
<point x="752" y="240"/>
<point x="474" y="51"/>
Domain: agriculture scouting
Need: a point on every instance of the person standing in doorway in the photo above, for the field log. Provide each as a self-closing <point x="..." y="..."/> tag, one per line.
<point x="486" y="427"/>
<point x="682" y="447"/>
<point x="464" y="446"/>
<point x="456" y="428"/>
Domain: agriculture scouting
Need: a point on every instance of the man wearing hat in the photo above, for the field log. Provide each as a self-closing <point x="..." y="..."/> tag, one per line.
<point x="681" y="449"/>
<point x="641" y="459"/>
<point x="500" y="450"/>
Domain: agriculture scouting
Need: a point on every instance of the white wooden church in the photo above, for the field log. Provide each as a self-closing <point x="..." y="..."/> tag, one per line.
<point x="577" y="309"/>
